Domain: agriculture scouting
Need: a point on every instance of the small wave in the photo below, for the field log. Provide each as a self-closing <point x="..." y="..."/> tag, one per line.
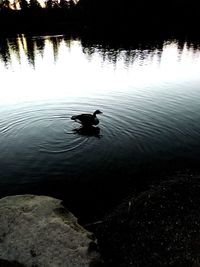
<point x="46" y="148"/>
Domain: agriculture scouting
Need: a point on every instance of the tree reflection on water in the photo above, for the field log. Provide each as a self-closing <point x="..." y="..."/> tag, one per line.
<point x="23" y="46"/>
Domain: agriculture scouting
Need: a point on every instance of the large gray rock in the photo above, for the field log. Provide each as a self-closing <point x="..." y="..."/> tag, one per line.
<point x="39" y="231"/>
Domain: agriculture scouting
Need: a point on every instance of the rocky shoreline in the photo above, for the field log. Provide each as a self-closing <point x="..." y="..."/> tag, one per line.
<point x="38" y="231"/>
<point x="158" y="227"/>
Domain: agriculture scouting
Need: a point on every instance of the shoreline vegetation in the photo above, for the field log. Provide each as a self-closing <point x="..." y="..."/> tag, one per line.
<point x="99" y="17"/>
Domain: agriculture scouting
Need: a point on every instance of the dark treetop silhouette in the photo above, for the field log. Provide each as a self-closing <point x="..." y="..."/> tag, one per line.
<point x="107" y="15"/>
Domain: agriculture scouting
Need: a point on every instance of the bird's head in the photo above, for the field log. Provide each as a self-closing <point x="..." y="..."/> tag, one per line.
<point x="97" y="112"/>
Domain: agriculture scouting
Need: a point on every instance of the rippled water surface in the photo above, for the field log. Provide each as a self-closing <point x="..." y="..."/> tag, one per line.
<point x="150" y="98"/>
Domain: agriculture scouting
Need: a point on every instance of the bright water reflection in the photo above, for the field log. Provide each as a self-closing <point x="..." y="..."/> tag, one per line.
<point x="149" y="94"/>
<point x="32" y="68"/>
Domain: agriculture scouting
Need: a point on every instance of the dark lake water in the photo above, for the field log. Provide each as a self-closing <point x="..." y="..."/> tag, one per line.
<point x="150" y="98"/>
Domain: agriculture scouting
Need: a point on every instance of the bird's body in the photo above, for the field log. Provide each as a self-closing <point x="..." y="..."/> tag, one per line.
<point x="87" y="119"/>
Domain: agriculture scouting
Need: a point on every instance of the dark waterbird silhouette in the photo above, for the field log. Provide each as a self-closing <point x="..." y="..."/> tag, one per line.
<point x="87" y="119"/>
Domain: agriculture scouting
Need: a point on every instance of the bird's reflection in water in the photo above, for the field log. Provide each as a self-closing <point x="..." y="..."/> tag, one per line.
<point x="88" y="131"/>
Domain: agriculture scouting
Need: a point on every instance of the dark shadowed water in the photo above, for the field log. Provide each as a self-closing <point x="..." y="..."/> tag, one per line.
<point x="150" y="98"/>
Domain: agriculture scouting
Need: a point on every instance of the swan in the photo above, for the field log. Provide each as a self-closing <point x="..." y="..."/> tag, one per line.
<point x="87" y="119"/>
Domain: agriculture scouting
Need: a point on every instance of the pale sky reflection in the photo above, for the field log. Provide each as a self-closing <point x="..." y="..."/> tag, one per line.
<point x="71" y="73"/>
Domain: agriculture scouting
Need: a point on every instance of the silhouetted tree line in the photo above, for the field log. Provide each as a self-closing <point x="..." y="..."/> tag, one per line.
<point x="23" y="15"/>
<point x="35" y="4"/>
<point x="115" y="15"/>
<point x="136" y="13"/>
